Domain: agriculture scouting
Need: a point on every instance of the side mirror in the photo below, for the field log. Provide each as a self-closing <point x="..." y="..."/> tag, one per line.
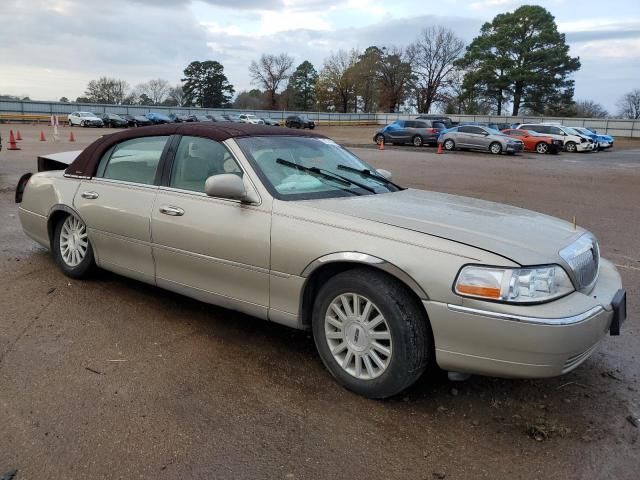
<point x="228" y="185"/>
<point x="384" y="173"/>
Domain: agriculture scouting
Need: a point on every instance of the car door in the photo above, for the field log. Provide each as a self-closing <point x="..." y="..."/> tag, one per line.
<point x="397" y="131"/>
<point x="463" y="136"/>
<point x="213" y="249"/>
<point x="479" y="138"/>
<point x="116" y="206"/>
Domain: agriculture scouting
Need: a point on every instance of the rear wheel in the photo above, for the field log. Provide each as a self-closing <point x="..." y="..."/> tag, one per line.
<point x="570" y="147"/>
<point x="542" y="147"/>
<point x="371" y="333"/>
<point x="495" y="148"/>
<point x="449" y="145"/>
<point x="71" y="247"/>
<point x="417" y="141"/>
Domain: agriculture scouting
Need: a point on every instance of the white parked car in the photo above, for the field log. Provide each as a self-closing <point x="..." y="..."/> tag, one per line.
<point x="572" y="140"/>
<point x="84" y="119"/>
<point x="250" y="118"/>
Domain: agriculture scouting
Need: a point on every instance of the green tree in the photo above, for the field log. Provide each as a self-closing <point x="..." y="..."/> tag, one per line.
<point x="366" y="72"/>
<point x="251" y="100"/>
<point x="521" y="54"/>
<point x="206" y="85"/>
<point x="302" y="86"/>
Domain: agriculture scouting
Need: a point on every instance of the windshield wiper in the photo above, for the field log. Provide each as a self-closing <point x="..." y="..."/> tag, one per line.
<point x="369" y="174"/>
<point x="327" y="175"/>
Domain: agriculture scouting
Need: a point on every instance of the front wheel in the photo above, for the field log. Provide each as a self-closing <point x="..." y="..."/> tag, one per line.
<point x="417" y="141"/>
<point x="449" y="145"/>
<point x="371" y="333"/>
<point x="83" y="123"/>
<point x="570" y="147"/>
<point x="379" y="139"/>
<point x="71" y="247"/>
<point x="542" y="147"/>
<point x="495" y="148"/>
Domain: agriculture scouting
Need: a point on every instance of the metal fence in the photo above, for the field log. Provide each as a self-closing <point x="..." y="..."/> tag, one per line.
<point x="612" y="126"/>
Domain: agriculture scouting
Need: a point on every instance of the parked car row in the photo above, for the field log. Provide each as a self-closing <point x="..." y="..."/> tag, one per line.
<point x="492" y="137"/>
<point x="112" y="120"/>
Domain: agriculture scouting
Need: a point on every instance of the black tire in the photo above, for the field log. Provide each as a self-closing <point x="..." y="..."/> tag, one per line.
<point x="542" y="148"/>
<point x="495" y="148"/>
<point x="379" y="139"/>
<point x="85" y="267"/>
<point x="417" y="141"/>
<point x="449" y="145"/>
<point x="570" y="147"/>
<point x="412" y="340"/>
<point x="83" y="123"/>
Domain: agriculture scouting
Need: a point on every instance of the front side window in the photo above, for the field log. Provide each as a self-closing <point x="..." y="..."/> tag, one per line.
<point x="298" y="168"/>
<point x="198" y="159"/>
<point x="134" y="160"/>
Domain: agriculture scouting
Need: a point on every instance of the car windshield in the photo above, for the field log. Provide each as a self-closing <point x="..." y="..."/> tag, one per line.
<point x="493" y="131"/>
<point x="86" y="114"/>
<point x="571" y="131"/>
<point x="284" y="164"/>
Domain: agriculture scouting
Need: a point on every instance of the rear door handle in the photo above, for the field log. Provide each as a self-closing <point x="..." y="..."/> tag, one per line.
<point x="170" y="210"/>
<point x="89" y="195"/>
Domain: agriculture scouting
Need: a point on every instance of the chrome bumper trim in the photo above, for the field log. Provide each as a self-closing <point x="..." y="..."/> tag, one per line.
<point x="572" y="320"/>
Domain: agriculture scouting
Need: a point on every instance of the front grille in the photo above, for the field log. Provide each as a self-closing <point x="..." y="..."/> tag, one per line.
<point x="583" y="256"/>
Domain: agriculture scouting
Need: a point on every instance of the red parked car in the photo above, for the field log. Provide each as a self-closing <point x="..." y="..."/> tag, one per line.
<point x="535" y="142"/>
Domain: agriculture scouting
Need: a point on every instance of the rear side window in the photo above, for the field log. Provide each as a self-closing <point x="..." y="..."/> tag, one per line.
<point x="133" y="160"/>
<point x="477" y="130"/>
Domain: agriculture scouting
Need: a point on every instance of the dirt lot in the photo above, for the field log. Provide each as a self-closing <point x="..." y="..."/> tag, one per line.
<point x="111" y="378"/>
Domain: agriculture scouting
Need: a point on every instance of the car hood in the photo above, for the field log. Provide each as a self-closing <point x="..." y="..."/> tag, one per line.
<point x="523" y="236"/>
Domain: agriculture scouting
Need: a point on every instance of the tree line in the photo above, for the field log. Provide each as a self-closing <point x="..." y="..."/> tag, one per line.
<point x="518" y="64"/>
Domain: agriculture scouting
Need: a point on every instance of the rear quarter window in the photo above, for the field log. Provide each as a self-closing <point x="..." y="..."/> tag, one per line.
<point x="134" y="160"/>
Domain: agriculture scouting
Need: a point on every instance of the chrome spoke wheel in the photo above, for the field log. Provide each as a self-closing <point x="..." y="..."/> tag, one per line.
<point x="73" y="241"/>
<point x="358" y="336"/>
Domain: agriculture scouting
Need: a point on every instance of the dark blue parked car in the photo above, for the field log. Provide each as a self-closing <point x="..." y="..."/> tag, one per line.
<point x="158" y="118"/>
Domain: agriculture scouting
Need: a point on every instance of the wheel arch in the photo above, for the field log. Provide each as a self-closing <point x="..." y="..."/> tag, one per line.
<point x="325" y="267"/>
<point x="56" y="213"/>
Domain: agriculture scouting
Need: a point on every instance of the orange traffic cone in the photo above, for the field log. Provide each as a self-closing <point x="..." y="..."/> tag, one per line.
<point x="439" y="149"/>
<point x="42" y="139"/>
<point x="18" y="136"/>
<point x="71" y="137"/>
<point x="381" y="145"/>
<point x="12" y="142"/>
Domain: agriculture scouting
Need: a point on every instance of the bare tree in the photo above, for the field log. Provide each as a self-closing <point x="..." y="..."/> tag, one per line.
<point x="339" y="78"/>
<point x="107" y="90"/>
<point x="177" y="95"/>
<point x="394" y="76"/>
<point x="432" y="58"/>
<point x="155" y="90"/>
<point x="629" y="104"/>
<point x="270" y="72"/>
<point x="589" y="109"/>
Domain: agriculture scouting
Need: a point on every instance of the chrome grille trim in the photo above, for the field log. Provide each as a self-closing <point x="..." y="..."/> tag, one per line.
<point x="583" y="256"/>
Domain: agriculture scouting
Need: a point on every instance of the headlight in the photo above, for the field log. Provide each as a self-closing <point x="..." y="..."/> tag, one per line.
<point x="514" y="285"/>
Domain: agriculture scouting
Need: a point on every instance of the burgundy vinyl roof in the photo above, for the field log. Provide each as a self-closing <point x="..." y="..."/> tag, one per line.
<point x="87" y="162"/>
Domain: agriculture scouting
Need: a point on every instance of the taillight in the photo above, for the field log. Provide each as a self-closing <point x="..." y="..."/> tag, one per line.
<point x="432" y="130"/>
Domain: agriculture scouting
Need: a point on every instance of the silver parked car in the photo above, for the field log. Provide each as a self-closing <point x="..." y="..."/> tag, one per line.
<point x="290" y="227"/>
<point x="475" y="137"/>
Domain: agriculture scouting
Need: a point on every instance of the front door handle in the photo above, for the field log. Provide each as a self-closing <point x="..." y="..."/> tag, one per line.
<point x="173" y="211"/>
<point x="89" y="195"/>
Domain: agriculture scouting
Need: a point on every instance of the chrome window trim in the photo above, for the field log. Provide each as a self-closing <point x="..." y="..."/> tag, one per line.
<point x="559" y="321"/>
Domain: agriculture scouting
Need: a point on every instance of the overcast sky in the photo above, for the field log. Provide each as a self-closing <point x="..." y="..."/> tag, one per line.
<point x="52" y="48"/>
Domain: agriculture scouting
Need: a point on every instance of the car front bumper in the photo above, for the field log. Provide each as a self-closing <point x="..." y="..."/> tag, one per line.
<point x="533" y="341"/>
<point x="585" y="147"/>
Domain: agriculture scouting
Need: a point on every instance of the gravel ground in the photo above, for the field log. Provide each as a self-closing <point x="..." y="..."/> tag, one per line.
<point x="111" y="378"/>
